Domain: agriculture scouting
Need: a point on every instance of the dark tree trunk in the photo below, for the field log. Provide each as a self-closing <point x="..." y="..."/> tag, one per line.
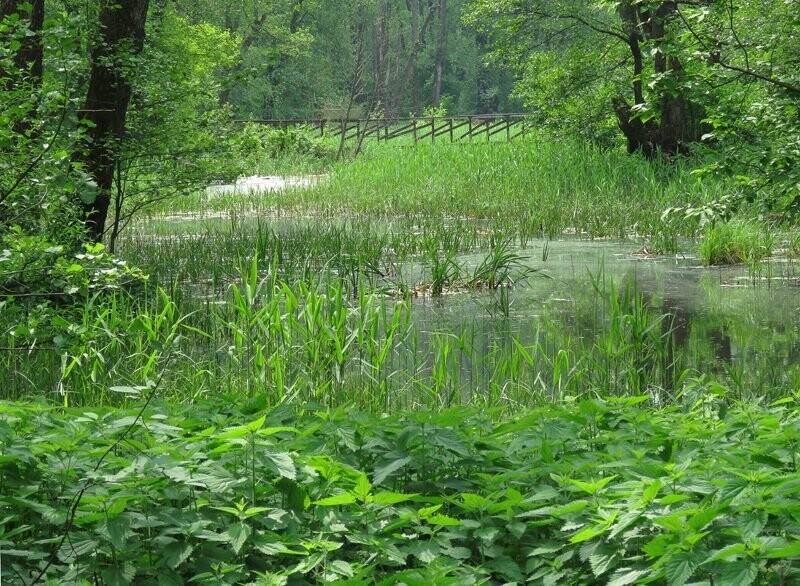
<point x="441" y="54"/>
<point x="121" y="34"/>
<point x="30" y="56"/>
<point x="29" y="59"/>
<point x="409" y="70"/>
<point x="413" y="5"/>
<point x="678" y="122"/>
<point x="380" y="56"/>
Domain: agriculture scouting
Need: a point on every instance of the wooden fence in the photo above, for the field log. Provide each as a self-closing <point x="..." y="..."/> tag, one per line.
<point x="483" y="127"/>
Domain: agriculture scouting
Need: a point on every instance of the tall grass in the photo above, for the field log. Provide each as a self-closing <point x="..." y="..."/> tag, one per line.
<point x="736" y="241"/>
<point x="311" y="340"/>
<point x="535" y="187"/>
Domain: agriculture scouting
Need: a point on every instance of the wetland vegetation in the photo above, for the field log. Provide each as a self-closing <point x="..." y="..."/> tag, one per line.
<point x="232" y="353"/>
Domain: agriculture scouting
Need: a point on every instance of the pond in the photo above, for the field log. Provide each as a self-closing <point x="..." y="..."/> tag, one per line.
<point x="582" y="315"/>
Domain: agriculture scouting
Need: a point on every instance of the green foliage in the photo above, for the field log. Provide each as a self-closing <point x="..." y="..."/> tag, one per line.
<point x="259" y="149"/>
<point x="728" y="69"/>
<point x="590" y="493"/>
<point x="31" y="265"/>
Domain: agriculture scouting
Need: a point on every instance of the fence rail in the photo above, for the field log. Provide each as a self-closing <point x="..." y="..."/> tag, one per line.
<point x="424" y="128"/>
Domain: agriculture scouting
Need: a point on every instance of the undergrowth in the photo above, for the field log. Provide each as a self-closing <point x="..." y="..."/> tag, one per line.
<point x="228" y="492"/>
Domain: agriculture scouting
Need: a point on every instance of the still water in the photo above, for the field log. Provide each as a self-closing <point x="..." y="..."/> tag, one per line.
<point x="591" y="314"/>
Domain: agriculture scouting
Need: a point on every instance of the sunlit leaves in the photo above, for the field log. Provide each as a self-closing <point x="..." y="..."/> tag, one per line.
<point x="202" y="511"/>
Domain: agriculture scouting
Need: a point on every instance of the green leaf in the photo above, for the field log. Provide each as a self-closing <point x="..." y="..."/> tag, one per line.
<point x="176" y="553"/>
<point x="284" y="464"/>
<point x="791" y="550"/>
<point x="751" y="524"/>
<point x="363" y="488"/>
<point x="625" y="576"/>
<point x="119" y="575"/>
<point x="392" y="498"/>
<point x="732" y="551"/>
<point x="308" y="564"/>
<point x="254" y="426"/>
<point x="589" y="533"/>
<point x="342" y="568"/>
<point x="345" y="498"/>
<point x="679" y="569"/>
<point x="383" y="472"/>
<point x="426" y="512"/>
<point x="443" y="520"/>
<point x="118" y="529"/>
<point x="651" y="491"/>
<point x="424" y="551"/>
<point x="738" y="573"/>
<point x="237" y="534"/>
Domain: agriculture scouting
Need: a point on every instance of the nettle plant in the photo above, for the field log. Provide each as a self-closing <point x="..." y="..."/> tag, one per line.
<point x="224" y="493"/>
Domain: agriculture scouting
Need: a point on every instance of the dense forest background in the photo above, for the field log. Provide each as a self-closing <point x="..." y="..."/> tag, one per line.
<point x="109" y="107"/>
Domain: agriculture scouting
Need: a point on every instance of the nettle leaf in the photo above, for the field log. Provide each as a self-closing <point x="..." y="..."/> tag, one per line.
<point x="591" y="487"/>
<point x="342" y="568"/>
<point x="363" y="488"/>
<point x="241" y="431"/>
<point x="472" y="502"/>
<point x="457" y="553"/>
<point x="392" y="498"/>
<point x="738" y="573"/>
<point x="267" y="431"/>
<point x="176" y="553"/>
<point x="751" y="524"/>
<point x="601" y="563"/>
<point x="599" y="555"/>
<point x="733" y="551"/>
<point x="625" y="576"/>
<point x="487" y="534"/>
<point x="679" y="569"/>
<point x="283" y="464"/>
<point x="424" y="551"/>
<point x="309" y="563"/>
<point x="547" y="548"/>
<point x="346" y="498"/>
<point x="426" y="512"/>
<point x="443" y="520"/>
<point x="117" y="530"/>
<point x="384" y="471"/>
<point x="790" y="550"/>
<point x="237" y="534"/>
<point x="119" y="575"/>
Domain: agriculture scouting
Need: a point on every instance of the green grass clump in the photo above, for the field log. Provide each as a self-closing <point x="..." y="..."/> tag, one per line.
<point x="736" y="241"/>
<point x="227" y="491"/>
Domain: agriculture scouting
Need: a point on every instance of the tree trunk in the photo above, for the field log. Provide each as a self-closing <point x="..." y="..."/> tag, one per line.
<point x="413" y="5"/>
<point x="380" y="57"/>
<point x="441" y="54"/>
<point x="677" y="125"/>
<point x="30" y="56"/>
<point x="121" y="35"/>
<point x="29" y="59"/>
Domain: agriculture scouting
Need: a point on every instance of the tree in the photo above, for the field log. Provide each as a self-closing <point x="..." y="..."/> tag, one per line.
<point x="120" y="38"/>
<point x="626" y="42"/>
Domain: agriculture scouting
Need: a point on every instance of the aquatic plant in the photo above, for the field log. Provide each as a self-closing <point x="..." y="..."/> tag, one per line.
<point x="734" y="242"/>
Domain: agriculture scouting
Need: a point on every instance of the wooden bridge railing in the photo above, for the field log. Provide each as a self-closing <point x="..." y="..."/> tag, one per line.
<point x="454" y="128"/>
